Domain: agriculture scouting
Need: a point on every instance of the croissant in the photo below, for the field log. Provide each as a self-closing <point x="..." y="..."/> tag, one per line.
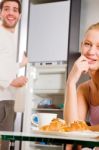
<point x="77" y="126"/>
<point x="60" y="125"/>
<point x="55" y="125"/>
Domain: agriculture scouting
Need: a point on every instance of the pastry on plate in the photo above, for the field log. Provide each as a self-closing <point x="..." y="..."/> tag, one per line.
<point x="55" y="125"/>
<point x="60" y="125"/>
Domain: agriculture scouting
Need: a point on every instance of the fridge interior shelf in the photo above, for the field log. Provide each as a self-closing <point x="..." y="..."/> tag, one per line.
<point x="45" y="109"/>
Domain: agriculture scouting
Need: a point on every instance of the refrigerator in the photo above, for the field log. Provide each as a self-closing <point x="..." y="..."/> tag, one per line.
<point x="44" y="31"/>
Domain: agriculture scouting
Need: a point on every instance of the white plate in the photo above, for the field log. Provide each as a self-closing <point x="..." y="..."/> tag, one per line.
<point x="84" y="134"/>
<point x="80" y="134"/>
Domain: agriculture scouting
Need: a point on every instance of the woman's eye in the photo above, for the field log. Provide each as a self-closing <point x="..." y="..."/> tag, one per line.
<point x="98" y="47"/>
<point x="87" y="44"/>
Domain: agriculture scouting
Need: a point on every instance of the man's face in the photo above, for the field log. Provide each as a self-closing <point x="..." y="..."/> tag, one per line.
<point x="10" y="14"/>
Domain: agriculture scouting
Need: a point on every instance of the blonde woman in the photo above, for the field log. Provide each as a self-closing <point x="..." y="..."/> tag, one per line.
<point x="84" y="99"/>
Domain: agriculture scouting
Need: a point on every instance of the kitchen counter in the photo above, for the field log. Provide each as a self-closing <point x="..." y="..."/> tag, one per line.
<point x="87" y="138"/>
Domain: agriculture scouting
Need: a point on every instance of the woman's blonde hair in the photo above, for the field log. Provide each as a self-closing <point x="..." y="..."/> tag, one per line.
<point x="93" y="26"/>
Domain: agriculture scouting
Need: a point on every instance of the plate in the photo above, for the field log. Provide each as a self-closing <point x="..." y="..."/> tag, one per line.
<point x="83" y="134"/>
<point x="78" y="134"/>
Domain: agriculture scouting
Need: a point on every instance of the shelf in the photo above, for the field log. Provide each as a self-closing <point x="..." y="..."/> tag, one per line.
<point x="44" y="1"/>
<point x="49" y="91"/>
<point x="47" y="69"/>
<point x="44" y="145"/>
<point x="46" y="109"/>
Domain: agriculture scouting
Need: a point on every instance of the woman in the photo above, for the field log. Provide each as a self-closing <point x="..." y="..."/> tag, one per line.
<point x="84" y="99"/>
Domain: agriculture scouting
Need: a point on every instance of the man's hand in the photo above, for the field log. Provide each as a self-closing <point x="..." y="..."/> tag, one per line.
<point x="24" y="60"/>
<point x="19" y="82"/>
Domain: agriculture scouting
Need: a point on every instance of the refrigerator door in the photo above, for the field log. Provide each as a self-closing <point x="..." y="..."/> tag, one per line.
<point x="48" y="32"/>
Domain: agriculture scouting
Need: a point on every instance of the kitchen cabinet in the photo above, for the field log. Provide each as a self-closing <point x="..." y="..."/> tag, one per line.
<point x="47" y="79"/>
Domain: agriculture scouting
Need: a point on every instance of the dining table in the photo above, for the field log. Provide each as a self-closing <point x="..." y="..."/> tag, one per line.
<point x="84" y="138"/>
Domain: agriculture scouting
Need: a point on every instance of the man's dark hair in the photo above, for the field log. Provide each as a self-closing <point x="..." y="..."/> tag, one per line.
<point x="17" y="1"/>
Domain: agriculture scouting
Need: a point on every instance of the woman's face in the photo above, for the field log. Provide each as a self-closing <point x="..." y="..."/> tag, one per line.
<point x="90" y="48"/>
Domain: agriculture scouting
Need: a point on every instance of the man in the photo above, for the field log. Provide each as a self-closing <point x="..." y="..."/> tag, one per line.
<point x="10" y="13"/>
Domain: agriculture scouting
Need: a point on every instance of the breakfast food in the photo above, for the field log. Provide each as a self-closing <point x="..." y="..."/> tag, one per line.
<point x="60" y="125"/>
<point x="77" y="126"/>
<point x="55" y="125"/>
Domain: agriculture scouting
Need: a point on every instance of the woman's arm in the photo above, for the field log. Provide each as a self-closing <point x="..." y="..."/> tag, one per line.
<point x="70" y="105"/>
<point x="94" y="128"/>
<point x="72" y="97"/>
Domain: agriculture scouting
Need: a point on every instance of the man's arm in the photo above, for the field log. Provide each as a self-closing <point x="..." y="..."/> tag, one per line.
<point x="19" y="82"/>
<point x="24" y="61"/>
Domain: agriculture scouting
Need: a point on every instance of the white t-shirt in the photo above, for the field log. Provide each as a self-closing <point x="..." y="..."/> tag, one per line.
<point x="8" y="65"/>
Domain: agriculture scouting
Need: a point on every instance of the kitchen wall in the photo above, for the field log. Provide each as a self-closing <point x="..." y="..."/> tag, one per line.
<point x="89" y="14"/>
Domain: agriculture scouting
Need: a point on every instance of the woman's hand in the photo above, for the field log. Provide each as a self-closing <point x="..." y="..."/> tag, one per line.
<point x="71" y="104"/>
<point x="81" y="65"/>
<point x="19" y="82"/>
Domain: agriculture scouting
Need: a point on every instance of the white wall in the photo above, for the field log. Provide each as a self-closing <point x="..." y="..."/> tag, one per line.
<point x="89" y="15"/>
